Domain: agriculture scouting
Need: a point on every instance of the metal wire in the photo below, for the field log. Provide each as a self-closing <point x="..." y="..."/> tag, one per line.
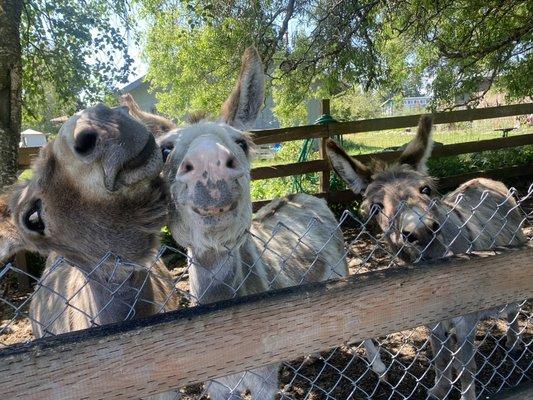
<point x="412" y="358"/>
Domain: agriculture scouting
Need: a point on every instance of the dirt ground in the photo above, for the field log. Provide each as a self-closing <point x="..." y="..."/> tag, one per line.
<point x="343" y="372"/>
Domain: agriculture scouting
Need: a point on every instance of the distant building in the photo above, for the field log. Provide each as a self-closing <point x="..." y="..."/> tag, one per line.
<point x="414" y="103"/>
<point x="32" y="138"/>
<point x="140" y="90"/>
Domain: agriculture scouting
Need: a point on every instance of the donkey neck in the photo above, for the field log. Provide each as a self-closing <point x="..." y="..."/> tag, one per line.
<point x="217" y="274"/>
<point x="125" y="229"/>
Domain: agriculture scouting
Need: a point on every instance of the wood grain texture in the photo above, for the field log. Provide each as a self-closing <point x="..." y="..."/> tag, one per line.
<point x="269" y="136"/>
<point x="152" y="355"/>
<point x="26" y="155"/>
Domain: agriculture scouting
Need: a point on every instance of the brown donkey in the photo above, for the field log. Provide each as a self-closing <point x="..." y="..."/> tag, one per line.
<point x="419" y="224"/>
<point x="96" y="189"/>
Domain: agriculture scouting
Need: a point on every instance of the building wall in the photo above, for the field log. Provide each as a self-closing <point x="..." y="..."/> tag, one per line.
<point x="143" y="97"/>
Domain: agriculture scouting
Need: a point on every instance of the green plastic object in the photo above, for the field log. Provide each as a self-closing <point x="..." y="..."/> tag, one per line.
<point x="325" y="119"/>
<point x="307" y="149"/>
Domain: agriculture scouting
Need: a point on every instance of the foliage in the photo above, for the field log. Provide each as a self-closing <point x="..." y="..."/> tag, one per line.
<point x="270" y="188"/>
<point x="315" y="48"/>
<point x="72" y="53"/>
<point x="355" y="104"/>
<point x="468" y="45"/>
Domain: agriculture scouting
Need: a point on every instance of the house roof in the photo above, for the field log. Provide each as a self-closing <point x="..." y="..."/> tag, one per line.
<point x="133" y="85"/>
<point x="31" y="132"/>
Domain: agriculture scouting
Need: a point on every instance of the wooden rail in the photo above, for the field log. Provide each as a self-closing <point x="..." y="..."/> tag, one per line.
<point x="269" y="136"/>
<point x="444" y="184"/>
<point x="281" y="170"/>
<point x="26" y="154"/>
<point x="143" y="357"/>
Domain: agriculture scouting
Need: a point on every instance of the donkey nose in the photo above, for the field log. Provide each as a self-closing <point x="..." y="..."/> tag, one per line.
<point x="209" y="160"/>
<point x="435" y="226"/>
<point x="85" y="142"/>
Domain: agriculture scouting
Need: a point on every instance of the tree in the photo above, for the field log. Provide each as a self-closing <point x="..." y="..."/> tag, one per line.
<point x="10" y="88"/>
<point x="62" y="50"/>
<point x="317" y="48"/>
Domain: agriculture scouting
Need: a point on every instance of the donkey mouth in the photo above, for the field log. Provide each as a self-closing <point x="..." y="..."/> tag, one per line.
<point x="214" y="211"/>
<point x="144" y="155"/>
<point x="146" y="164"/>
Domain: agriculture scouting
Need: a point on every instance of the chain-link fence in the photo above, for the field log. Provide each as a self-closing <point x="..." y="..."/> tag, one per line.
<point x="476" y="355"/>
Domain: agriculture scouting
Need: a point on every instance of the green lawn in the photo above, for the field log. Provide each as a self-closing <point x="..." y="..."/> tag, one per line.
<point x="372" y="142"/>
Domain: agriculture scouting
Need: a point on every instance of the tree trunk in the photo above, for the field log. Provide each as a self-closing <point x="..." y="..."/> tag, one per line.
<point x="10" y="89"/>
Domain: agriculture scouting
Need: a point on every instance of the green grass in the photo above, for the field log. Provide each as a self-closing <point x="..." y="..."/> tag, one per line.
<point x="25" y="175"/>
<point x="372" y="142"/>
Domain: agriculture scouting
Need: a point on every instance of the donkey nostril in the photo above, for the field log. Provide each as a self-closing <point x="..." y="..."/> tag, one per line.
<point x="231" y="163"/>
<point x="85" y="142"/>
<point x="435" y="226"/>
<point x="410" y="236"/>
<point x="188" y="167"/>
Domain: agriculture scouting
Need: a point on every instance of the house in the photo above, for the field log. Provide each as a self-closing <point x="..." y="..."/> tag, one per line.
<point x="412" y="103"/>
<point x="32" y="138"/>
<point x="140" y="90"/>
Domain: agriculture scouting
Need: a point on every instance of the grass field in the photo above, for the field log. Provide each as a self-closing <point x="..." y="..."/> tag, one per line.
<point x="372" y="142"/>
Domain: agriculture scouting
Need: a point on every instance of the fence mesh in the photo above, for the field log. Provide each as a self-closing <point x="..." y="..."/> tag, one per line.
<point x="476" y="355"/>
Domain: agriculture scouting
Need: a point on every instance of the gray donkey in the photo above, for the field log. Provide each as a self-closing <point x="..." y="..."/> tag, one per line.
<point x="94" y="190"/>
<point x="292" y="240"/>
<point x="419" y="224"/>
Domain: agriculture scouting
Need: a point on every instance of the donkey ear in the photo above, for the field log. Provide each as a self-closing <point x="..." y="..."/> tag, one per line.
<point x="356" y="175"/>
<point x="243" y="105"/>
<point x="156" y="124"/>
<point x="419" y="149"/>
<point x="11" y="241"/>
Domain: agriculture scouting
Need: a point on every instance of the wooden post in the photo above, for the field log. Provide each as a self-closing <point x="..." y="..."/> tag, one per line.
<point x="23" y="279"/>
<point x="324" y="175"/>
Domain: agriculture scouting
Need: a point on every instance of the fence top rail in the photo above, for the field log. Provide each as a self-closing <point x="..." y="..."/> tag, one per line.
<point x="306" y="319"/>
<point x="269" y="136"/>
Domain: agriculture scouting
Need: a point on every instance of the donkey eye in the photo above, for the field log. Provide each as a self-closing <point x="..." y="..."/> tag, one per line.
<point x="166" y="150"/>
<point x="425" y="190"/>
<point x="376" y="207"/>
<point x="33" y="220"/>
<point x="242" y="143"/>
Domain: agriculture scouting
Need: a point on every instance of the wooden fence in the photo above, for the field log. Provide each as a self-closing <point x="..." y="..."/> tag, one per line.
<point x="147" y="356"/>
<point x="139" y="358"/>
<point x="378" y="124"/>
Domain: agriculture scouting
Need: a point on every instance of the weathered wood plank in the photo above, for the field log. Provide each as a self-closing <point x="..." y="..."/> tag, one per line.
<point x="144" y="357"/>
<point x="26" y="155"/>
<point x="449" y="182"/>
<point x="369" y="125"/>
<point x="277" y="171"/>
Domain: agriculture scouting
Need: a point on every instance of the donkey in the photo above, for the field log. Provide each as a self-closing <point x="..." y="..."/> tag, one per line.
<point x="96" y="189"/>
<point x="292" y="240"/>
<point x="418" y="224"/>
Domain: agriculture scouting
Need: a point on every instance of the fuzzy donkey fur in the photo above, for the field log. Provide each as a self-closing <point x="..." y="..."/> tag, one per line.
<point x="90" y="195"/>
<point x="292" y="240"/>
<point x="419" y="224"/>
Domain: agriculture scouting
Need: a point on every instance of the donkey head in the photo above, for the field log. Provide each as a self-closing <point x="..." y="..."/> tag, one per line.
<point x="208" y="167"/>
<point x="400" y="197"/>
<point x="90" y="187"/>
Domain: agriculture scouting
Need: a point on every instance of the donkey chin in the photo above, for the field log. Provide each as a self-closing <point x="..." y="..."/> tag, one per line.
<point x="427" y="246"/>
